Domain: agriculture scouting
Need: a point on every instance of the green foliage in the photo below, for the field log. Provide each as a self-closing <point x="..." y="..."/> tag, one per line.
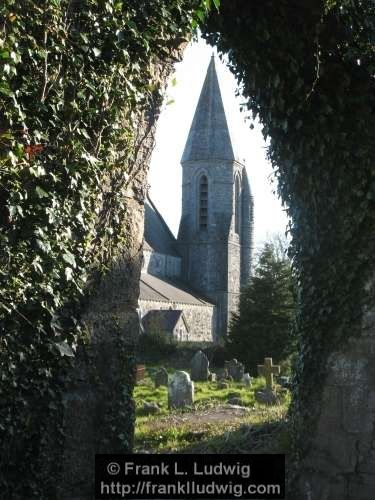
<point x="263" y="326"/>
<point x="314" y="92"/>
<point x="76" y="80"/>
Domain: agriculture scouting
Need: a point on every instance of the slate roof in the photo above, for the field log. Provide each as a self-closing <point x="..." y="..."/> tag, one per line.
<point x="209" y="136"/>
<point x="166" y="319"/>
<point x="158" y="236"/>
<point x="157" y="289"/>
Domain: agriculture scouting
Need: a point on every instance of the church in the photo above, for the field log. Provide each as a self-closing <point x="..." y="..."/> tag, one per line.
<point x="190" y="285"/>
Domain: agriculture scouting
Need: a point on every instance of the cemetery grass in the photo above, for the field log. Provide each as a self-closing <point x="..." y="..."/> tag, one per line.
<point x="210" y="426"/>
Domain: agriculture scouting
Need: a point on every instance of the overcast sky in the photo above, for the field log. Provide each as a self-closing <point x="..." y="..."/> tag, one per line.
<point x="172" y="131"/>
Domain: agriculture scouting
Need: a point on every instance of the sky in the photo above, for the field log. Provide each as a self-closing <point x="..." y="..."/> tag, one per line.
<point x="171" y="134"/>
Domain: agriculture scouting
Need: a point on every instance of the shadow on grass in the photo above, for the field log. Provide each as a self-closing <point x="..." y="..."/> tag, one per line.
<point x="270" y="437"/>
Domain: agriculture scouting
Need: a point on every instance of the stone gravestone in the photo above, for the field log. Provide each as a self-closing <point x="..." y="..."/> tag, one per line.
<point x="267" y="370"/>
<point x="180" y="390"/>
<point x="199" y="367"/>
<point x="246" y="379"/>
<point x="150" y="408"/>
<point x="222" y="374"/>
<point x="235" y="369"/>
<point x="161" y="378"/>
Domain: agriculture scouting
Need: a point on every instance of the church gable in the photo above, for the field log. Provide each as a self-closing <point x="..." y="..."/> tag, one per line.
<point x="169" y="322"/>
<point x="158" y="237"/>
<point x="159" y="296"/>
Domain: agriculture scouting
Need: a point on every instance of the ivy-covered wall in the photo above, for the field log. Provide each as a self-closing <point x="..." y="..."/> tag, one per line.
<point x="80" y="87"/>
<point x="307" y="69"/>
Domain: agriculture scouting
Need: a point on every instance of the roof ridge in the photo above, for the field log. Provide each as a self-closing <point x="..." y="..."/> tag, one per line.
<point x="177" y="286"/>
<point x="161" y="218"/>
<point x="156" y="291"/>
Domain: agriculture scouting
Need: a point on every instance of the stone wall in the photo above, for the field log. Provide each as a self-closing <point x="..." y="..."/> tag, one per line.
<point x="340" y="463"/>
<point x="200" y="318"/>
<point x="99" y="410"/>
<point x="163" y="266"/>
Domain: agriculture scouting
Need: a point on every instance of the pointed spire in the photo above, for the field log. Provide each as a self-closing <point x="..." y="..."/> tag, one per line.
<point x="209" y="136"/>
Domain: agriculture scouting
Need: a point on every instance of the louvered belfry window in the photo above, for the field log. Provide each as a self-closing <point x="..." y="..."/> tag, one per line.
<point x="203" y="203"/>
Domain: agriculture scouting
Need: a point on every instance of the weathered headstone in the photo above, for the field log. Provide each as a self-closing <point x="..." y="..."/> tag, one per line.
<point x="180" y="390"/>
<point x="212" y="377"/>
<point x="161" y="378"/>
<point x="268" y="370"/>
<point x="246" y="379"/>
<point x="199" y="367"/>
<point x="235" y="369"/>
<point x="222" y="374"/>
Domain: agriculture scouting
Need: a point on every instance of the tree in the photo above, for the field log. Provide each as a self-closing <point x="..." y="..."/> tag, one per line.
<point x="263" y="325"/>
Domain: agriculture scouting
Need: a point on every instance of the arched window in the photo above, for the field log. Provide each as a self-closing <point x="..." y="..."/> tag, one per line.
<point x="237" y="205"/>
<point x="203" y="203"/>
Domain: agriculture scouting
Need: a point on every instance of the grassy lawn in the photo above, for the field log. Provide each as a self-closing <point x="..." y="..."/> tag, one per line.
<point x="210" y="425"/>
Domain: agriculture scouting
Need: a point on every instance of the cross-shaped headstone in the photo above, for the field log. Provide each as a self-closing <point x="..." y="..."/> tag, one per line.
<point x="268" y="370"/>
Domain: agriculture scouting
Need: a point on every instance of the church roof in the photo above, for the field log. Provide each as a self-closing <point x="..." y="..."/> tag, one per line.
<point x="159" y="290"/>
<point x="157" y="235"/>
<point x="167" y="319"/>
<point x="209" y="136"/>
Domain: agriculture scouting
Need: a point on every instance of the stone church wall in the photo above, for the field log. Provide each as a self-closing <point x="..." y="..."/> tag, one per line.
<point x="199" y="318"/>
<point x="163" y="266"/>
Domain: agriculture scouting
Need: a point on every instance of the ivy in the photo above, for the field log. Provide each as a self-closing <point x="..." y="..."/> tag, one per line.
<point x="75" y="78"/>
<point x="307" y="70"/>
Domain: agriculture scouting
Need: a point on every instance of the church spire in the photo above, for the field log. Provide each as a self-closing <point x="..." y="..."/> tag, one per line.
<point x="209" y="136"/>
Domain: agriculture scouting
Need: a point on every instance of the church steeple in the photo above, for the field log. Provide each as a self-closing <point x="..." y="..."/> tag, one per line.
<point x="215" y="234"/>
<point x="209" y="136"/>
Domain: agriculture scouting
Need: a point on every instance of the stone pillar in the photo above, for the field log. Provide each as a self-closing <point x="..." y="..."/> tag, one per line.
<point x="100" y="394"/>
<point x="340" y="464"/>
<point x="98" y="407"/>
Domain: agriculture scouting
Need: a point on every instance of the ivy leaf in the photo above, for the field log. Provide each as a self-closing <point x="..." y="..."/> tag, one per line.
<point x="69" y="259"/>
<point x="64" y="349"/>
<point x="132" y="25"/>
<point x="40" y="192"/>
<point x="14" y="210"/>
<point x="44" y="246"/>
<point x="96" y="51"/>
<point x="68" y="273"/>
<point x="201" y="14"/>
<point x="37" y="266"/>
